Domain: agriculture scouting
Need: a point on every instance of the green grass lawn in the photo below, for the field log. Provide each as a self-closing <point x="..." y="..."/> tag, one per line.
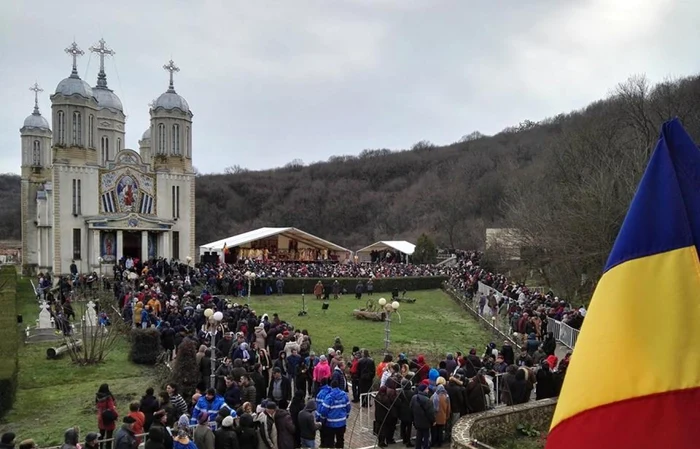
<point x="54" y="395"/>
<point x="433" y="325"/>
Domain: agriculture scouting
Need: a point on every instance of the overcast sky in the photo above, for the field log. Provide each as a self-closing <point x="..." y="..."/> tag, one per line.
<point x="273" y="81"/>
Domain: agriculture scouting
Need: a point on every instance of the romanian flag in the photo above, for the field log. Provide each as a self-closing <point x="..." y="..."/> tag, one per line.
<point x="634" y="378"/>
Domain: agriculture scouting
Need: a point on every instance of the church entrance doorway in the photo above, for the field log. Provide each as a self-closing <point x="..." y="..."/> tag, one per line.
<point x="132" y="244"/>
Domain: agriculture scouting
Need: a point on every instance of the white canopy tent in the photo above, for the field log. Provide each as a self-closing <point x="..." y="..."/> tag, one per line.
<point x="302" y="241"/>
<point x="402" y="246"/>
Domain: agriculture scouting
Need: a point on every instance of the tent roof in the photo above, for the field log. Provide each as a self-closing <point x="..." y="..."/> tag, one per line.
<point x="399" y="245"/>
<point x="262" y="233"/>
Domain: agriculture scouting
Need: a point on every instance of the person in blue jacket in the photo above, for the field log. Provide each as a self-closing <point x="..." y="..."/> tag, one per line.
<point x="333" y="413"/>
<point x="210" y="403"/>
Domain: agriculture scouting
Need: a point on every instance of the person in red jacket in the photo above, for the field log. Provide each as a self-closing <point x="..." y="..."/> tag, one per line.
<point x="106" y="414"/>
<point x="139" y="418"/>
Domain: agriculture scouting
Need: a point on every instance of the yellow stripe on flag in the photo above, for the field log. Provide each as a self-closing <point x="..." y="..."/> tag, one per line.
<point x="633" y="335"/>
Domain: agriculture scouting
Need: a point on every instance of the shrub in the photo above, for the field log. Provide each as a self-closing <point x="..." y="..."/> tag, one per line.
<point x="186" y="371"/>
<point x="9" y="338"/>
<point x="145" y="346"/>
<point x="295" y="285"/>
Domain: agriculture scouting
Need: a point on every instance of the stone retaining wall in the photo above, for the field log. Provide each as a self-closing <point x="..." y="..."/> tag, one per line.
<point x="490" y="425"/>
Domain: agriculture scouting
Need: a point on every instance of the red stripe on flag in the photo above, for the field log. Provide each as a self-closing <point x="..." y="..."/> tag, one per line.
<point x="664" y="420"/>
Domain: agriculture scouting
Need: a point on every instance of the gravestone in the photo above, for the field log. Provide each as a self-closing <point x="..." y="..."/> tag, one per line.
<point x="45" y="320"/>
<point x="90" y="315"/>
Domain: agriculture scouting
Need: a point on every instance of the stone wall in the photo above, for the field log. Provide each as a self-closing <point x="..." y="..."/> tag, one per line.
<point x="490" y="425"/>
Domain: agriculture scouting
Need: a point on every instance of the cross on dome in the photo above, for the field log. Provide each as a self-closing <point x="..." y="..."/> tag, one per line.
<point x="36" y="89"/>
<point x="74" y="51"/>
<point x="103" y="51"/>
<point x="172" y="68"/>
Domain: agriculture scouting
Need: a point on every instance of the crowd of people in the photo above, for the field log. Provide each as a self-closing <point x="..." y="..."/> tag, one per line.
<point x="271" y="390"/>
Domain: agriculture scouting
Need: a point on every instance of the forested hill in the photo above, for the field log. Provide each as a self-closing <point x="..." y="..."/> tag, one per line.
<point x="565" y="182"/>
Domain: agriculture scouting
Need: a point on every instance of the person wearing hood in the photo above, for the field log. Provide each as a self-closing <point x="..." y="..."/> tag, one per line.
<point x="149" y="405"/>
<point x="508" y="353"/>
<point x="477" y="391"/>
<point x="295" y="407"/>
<point x="450" y="363"/>
<point x="203" y="436"/>
<point x="422" y="369"/>
<point x="106" y="415"/>
<point x="247" y="436"/>
<point x="532" y="343"/>
<point x="182" y="441"/>
<point x="322" y="370"/>
<point x="285" y="429"/>
<point x="405" y="413"/>
<point x="386" y="414"/>
<point x="225" y="437"/>
<point x="423" y="416"/>
<point x="71" y="438"/>
<point x="549" y="345"/>
<point x="154" y="440"/>
<point x="125" y="438"/>
<point x="7" y="441"/>
<point x="338" y="345"/>
<point x="546" y="385"/>
<point x="443" y="412"/>
<point x="308" y="425"/>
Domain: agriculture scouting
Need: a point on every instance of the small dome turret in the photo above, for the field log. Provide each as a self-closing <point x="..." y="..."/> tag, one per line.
<point x="73" y="85"/>
<point x="36" y="120"/>
<point x="105" y="97"/>
<point x="170" y="99"/>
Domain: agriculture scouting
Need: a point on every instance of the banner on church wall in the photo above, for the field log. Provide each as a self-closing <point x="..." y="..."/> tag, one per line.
<point x="152" y="245"/>
<point x="109" y="246"/>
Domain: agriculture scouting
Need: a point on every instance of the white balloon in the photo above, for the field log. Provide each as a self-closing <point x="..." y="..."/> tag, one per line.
<point x="218" y="316"/>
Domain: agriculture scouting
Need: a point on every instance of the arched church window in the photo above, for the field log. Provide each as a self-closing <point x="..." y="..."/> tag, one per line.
<point x="77" y="128"/>
<point x="161" y="138"/>
<point x="176" y="139"/>
<point x="105" y="149"/>
<point x="36" y="153"/>
<point x="188" y="142"/>
<point x="61" y="128"/>
<point x="91" y="131"/>
<point x="119" y="145"/>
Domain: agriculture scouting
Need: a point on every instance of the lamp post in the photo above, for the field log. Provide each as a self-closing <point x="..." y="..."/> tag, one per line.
<point x="251" y="277"/>
<point x="213" y="318"/>
<point x="388" y="309"/>
<point x="100" y="260"/>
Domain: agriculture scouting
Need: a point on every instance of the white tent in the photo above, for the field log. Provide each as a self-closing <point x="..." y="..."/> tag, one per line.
<point x="284" y="234"/>
<point x="402" y="246"/>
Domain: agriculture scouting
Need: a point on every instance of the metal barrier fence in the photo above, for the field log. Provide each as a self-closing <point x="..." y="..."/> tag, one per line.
<point x="498" y="319"/>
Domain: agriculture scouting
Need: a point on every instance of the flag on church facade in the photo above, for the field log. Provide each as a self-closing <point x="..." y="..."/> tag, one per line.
<point x="634" y="377"/>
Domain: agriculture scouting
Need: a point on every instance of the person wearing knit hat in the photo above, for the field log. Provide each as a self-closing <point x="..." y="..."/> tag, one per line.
<point x="440" y="381"/>
<point x="91" y="440"/>
<point x="422" y="387"/>
<point x="227" y="422"/>
<point x="203" y="436"/>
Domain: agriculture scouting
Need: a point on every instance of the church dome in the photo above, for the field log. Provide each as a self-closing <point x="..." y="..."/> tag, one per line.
<point x="146" y="134"/>
<point x="36" y="120"/>
<point x="171" y="100"/>
<point x="72" y="86"/>
<point x="107" y="99"/>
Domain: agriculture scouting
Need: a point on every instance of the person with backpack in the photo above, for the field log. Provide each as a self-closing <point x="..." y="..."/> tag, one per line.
<point x="106" y="415"/>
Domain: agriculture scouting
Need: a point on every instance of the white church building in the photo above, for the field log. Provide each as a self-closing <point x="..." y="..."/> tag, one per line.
<point x="86" y="198"/>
